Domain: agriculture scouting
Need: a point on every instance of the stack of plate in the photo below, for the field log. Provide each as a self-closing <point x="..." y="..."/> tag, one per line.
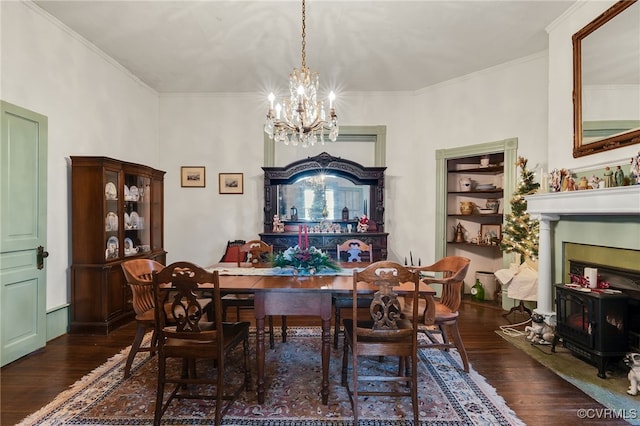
<point x="485" y="187"/>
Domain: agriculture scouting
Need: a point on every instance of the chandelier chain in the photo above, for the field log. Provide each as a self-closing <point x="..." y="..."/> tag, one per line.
<point x="301" y="117"/>
<point x="304" y="43"/>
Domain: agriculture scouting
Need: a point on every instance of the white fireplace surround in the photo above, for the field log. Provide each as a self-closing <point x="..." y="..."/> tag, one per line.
<point x="550" y="207"/>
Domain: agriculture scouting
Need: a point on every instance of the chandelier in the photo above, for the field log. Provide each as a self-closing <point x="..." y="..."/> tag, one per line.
<point x="301" y="119"/>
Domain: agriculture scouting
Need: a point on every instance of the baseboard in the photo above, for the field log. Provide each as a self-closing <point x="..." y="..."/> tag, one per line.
<point x="57" y="321"/>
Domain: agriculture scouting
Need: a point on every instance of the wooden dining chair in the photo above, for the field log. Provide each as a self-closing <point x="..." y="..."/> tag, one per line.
<point x="139" y="276"/>
<point x="351" y="250"/>
<point x="189" y="334"/>
<point x="386" y="334"/>
<point x="450" y="272"/>
<point x="232" y="252"/>
<point x="258" y="254"/>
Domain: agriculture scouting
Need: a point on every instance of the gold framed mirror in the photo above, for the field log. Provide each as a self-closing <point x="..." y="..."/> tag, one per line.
<point x="606" y="81"/>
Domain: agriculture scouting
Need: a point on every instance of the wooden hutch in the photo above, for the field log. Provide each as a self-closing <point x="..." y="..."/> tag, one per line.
<point x="116" y="215"/>
<point x="347" y="190"/>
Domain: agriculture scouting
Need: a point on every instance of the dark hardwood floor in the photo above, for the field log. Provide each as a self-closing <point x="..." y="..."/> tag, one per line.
<point x="536" y="394"/>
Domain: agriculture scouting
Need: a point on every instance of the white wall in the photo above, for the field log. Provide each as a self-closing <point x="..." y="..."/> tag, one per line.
<point x="94" y="107"/>
<point x="224" y="133"/>
<point x="506" y="101"/>
<point x="560" y="142"/>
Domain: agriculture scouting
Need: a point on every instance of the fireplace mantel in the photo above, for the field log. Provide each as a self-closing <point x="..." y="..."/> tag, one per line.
<point x="623" y="200"/>
<point x="550" y="207"/>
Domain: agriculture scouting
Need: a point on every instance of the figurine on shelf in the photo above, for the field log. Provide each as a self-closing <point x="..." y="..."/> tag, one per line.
<point x="363" y="223"/>
<point x="635" y="167"/>
<point x="459" y="233"/>
<point x="608" y="178"/>
<point x="619" y="176"/>
<point x="595" y="182"/>
<point x="278" y="226"/>
<point x="583" y="183"/>
<point x="569" y="183"/>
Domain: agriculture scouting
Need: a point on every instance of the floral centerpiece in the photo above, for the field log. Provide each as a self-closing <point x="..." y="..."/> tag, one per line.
<point x="304" y="260"/>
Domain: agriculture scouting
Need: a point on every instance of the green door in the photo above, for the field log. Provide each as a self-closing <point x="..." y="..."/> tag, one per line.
<point x="23" y="232"/>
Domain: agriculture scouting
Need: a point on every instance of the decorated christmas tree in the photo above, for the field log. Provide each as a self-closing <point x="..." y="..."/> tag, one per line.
<point x="520" y="234"/>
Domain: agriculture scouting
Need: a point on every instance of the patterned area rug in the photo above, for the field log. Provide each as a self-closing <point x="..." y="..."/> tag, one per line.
<point x="448" y="396"/>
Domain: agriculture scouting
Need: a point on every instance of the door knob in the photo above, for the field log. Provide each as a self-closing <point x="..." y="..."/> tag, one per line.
<point x="41" y="255"/>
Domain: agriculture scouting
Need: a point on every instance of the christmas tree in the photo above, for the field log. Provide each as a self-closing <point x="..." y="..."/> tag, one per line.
<point x="520" y="234"/>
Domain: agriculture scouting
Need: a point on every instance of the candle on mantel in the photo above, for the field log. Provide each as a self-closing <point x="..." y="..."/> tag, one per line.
<point x="299" y="236"/>
<point x="306" y="237"/>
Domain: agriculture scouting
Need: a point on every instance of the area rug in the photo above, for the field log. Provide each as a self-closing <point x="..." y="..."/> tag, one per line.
<point x="610" y="392"/>
<point x="448" y="395"/>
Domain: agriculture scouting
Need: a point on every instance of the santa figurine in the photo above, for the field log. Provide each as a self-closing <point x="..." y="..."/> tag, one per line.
<point x="363" y="223"/>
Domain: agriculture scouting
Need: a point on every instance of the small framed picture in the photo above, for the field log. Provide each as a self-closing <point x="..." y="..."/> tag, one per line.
<point x="230" y="183"/>
<point x="192" y="176"/>
<point x="491" y="233"/>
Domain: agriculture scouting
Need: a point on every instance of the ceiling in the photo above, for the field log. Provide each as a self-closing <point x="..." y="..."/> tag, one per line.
<point x="252" y="46"/>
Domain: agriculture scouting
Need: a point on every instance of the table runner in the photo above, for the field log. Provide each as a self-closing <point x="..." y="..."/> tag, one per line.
<point x="345" y="272"/>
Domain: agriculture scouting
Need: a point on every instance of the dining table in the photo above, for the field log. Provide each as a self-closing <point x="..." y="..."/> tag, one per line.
<point x="281" y="293"/>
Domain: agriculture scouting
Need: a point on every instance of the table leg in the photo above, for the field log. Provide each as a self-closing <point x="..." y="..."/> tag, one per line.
<point x="326" y="355"/>
<point x="259" y="314"/>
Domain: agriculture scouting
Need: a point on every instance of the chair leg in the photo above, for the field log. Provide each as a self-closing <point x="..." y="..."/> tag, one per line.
<point x="414" y="390"/>
<point x="272" y="342"/>
<point x="336" y="327"/>
<point x="345" y="362"/>
<point x="445" y="335"/>
<point x="135" y="346"/>
<point x="354" y="400"/>
<point x="284" y="328"/>
<point x="247" y="370"/>
<point x="157" y="415"/>
<point x="457" y="340"/>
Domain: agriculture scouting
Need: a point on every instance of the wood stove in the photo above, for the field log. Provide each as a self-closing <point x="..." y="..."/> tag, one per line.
<point x="599" y="326"/>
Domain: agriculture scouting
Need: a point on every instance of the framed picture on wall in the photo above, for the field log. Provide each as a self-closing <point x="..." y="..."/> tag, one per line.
<point x="230" y="183"/>
<point x="491" y="233"/>
<point x="192" y="176"/>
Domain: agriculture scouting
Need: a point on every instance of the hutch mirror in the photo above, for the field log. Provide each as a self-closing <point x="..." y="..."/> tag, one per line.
<point x="606" y="81"/>
<point x="319" y="188"/>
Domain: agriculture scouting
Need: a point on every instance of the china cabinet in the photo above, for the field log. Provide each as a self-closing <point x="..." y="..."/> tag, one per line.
<point x="324" y="196"/>
<point x="116" y="215"/>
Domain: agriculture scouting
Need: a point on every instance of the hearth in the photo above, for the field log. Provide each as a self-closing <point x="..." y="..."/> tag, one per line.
<point x="600" y="326"/>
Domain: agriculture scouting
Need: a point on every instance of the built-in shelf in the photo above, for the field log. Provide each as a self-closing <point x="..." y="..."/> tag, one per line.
<point x="475" y="216"/>
<point x="472" y="193"/>
<point x="492" y="170"/>
<point x="484" y="246"/>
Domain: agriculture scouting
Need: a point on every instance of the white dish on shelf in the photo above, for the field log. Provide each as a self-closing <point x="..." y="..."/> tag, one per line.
<point x="127" y="221"/>
<point x="486" y="211"/>
<point x="485" y="186"/>
<point x="134" y="193"/>
<point x="111" y="222"/>
<point x="135" y="220"/>
<point x="112" y="248"/>
<point x="110" y="191"/>
<point x="129" y="248"/>
<point x="127" y="193"/>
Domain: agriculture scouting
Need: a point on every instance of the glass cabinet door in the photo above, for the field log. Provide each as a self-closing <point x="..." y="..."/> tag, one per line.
<point x="111" y="216"/>
<point x="137" y="201"/>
